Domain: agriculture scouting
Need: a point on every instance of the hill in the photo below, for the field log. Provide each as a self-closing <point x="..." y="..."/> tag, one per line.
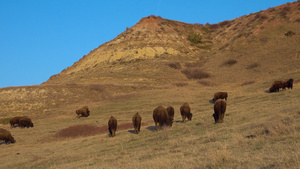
<point x="164" y="62"/>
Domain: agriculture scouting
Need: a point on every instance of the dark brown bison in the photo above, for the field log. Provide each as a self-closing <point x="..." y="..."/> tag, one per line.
<point x="289" y="83"/>
<point x="171" y="113"/>
<point x="25" y="122"/>
<point x="220" y="95"/>
<point x="276" y="86"/>
<point x="6" y="136"/>
<point x="112" y="126"/>
<point x="15" y="121"/>
<point x="83" y="112"/>
<point x="160" y="116"/>
<point x="219" y="108"/>
<point x="185" y="111"/>
<point x="136" y="121"/>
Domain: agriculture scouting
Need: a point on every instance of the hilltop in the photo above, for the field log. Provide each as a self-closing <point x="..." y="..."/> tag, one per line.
<point x="165" y="62"/>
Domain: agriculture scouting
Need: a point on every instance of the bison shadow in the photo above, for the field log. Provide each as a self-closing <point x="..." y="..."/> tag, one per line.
<point x="178" y="121"/>
<point x="211" y="101"/>
<point x="3" y="142"/>
<point x="198" y="124"/>
<point x="267" y="91"/>
<point x="151" y="128"/>
<point x="131" y="131"/>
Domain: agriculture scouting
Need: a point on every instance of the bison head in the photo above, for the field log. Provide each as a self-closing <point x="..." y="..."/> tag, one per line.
<point x="189" y="116"/>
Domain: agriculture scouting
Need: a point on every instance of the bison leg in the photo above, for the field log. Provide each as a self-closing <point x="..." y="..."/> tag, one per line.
<point x="110" y="132"/>
<point x="156" y="126"/>
<point x="183" y="118"/>
<point x="139" y="128"/>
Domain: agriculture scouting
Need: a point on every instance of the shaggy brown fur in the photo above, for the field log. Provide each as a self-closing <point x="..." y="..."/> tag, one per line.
<point x="6" y="136"/>
<point x="83" y="112"/>
<point x="289" y="83"/>
<point x="136" y="121"/>
<point x="219" y="108"/>
<point x="112" y="126"/>
<point x="276" y="86"/>
<point x="160" y="116"/>
<point x="25" y="122"/>
<point x="220" y="95"/>
<point x="15" y="120"/>
<point x="185" y="111"/>
<point x="171" y="113"/>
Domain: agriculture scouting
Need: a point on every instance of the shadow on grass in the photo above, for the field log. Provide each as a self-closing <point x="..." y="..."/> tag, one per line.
<point x="178" y="121"/>
<point x="151" y="128"/>
<point x="198" y="124"/>
<point x="131" y="131"/>
<point x="267" y="91"/>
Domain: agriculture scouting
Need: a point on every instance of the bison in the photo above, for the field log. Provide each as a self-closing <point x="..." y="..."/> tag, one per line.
<point x="15" y="120"/>
<point x="25" y="122"/>
<point x="290" y="83"/>
<point x="219" y="108"/>
<point x="171" y="113"/>
<point x="160" y="116"/>
<point x="136" y="121"/>
<point x="185" y="111"/>
<point x="83" y="112"/>
<point x="220" y="95"/>
<point x="276" y="86"/>
<point x="112" y="126"/>
<point x="6" y="136"/>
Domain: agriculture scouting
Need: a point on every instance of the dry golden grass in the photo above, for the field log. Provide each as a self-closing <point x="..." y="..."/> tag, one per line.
<point x="273" y="119"/>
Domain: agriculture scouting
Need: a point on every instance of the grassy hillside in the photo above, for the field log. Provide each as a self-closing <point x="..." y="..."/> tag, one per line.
<point x="164" y="62"/>
<point x="272" y="119"/>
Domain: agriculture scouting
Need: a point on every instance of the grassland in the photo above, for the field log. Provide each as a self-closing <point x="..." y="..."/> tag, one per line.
<point x="270" y="120"/>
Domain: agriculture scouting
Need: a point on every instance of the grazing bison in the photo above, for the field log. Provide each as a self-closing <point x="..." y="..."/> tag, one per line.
<point x="25" y="122"/>
<point x="220" y="95"/>
<point x="112" y="126"/>
<point x="136" y="121"/>
<point x="160" y="116"/>
<point x="276" y="86"/>
<point x="83" y="112"/>
<point x="219" y="108"/>
<point x="15" y="120"/>
<point x="6" y="136"/>
<point x="185" y="111"/>
<point x="171" y="113"/>
<point x="290" y="83"/>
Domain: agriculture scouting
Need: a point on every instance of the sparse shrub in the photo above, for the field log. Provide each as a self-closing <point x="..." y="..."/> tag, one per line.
<point x="174" y="65"/>
<point x="194" y="64"/>
<point x="261" y="16"/>
<point x="253" y="65"/>
<point x="204" y="83"/>
<point x="97" y="87"/>
<point x="248" y="83"/>
<point x="194" y="37"/>
<point x="195" y="74"/>
<point x="290" y="33"/>
<point x="224" y="23"/>
<point x="283" y="12"/>
<point x="4" y="120"/>
<point x="229" y="62"/>
<point x="214" y="26"/>
<point x="180" y="84"/>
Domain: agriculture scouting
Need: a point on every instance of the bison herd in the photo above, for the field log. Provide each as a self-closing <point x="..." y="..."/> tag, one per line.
<point x="161" y="116"/>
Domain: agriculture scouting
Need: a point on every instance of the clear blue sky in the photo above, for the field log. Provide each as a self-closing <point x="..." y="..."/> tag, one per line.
<point x="40" y="38"/>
